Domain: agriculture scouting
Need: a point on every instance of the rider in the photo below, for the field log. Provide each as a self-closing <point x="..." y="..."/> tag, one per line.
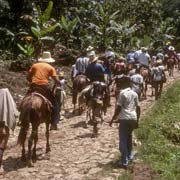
<point x="82" y="63"/>
<point x="38" y="76"/>
<point x="94" y="71"/>
<point x="144" y="58"/>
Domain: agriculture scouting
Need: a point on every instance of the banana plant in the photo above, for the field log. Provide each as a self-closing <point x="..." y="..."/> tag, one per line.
<point x="103" y="25"/>
<point x="44" y="25"/>
<point x="67" y="27"/>
<point x="27" y="49"/>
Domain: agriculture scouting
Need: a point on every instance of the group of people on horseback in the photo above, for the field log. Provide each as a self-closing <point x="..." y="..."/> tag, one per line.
<point x="94" y="79"/>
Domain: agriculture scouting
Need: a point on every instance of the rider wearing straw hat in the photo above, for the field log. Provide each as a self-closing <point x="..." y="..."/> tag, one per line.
<point x="94" y="71"/>
<point x="39" y="75"/>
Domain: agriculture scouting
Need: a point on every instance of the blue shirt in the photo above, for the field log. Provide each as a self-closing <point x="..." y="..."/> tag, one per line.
<point x="95" y="71"/>
<point x="130" y="57"/>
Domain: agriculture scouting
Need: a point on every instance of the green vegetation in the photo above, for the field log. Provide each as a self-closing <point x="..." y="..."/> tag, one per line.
<point x="125" y="176"/>
<point x="159" y="133"/>
<point x="79" y="23"/>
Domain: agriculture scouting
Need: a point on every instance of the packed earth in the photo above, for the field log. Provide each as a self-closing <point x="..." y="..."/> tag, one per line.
<point x="74" y="155"/>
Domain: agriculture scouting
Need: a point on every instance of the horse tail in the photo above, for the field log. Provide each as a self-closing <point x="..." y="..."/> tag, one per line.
<point x="24" y="119"/>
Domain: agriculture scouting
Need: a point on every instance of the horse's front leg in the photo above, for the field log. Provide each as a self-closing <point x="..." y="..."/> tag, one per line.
<point x="74" y="99"/>
<point x="95" y="125"/>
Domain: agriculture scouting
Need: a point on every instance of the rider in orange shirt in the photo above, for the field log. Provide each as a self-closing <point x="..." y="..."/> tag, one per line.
<point x="38" y="76"/>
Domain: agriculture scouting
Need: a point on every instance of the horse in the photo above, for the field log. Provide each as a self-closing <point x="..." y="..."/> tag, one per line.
<point x="97" y="98"/>
<point x="79" y="83"/>
<point x="34" y="109"/>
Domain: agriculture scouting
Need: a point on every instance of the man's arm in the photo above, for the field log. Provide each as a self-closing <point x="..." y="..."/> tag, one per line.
<point x="138" y="111"/>
<point x="116" y="113"/>
<point x="56" y="79"/>
<point x="29" y="77"/>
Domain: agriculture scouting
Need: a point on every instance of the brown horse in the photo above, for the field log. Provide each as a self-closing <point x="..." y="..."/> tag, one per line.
<point x="34" y="109"/>
<point x="79" y="83"/>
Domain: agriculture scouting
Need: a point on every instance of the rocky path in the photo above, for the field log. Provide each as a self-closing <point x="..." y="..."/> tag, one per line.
<point x="75" y="155"/>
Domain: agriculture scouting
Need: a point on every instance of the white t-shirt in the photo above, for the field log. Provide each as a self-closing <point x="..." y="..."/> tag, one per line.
<point x="128" y="101"/>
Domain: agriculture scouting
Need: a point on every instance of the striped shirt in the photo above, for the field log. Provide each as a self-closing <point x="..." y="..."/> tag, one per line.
<point x="81" y="64"/>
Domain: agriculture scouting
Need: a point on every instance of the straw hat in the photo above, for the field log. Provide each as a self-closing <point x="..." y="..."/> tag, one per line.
<point x="91" y="53"/>
<point x="90" y="48"/>
<point x="171" y="48"/>
<point x="61" y="74"/>
<point x="143" y="48"/>
<point x="46" y="57"/>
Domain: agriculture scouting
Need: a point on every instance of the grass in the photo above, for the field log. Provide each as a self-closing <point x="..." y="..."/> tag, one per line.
<point x="160" y="136"/>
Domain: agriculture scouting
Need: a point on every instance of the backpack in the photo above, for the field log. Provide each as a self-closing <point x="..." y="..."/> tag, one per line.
<point x="157" y="74"/>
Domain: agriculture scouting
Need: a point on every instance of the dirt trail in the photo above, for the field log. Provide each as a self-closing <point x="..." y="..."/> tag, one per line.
<point x="74" y="154"/>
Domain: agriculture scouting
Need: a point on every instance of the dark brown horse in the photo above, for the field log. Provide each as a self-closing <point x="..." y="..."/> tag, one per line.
<point x="34" y="109"/>
<point x="79" y="83"/>
<point x="97" y="102"/>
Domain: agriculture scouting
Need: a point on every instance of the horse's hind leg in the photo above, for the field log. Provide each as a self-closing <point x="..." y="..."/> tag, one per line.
<point x="22" y="139"/>
<point x="47" y="138"/>
<point x="34" y="157"/>
<point x="30" y="142"/>
<point x="95" y="127"/>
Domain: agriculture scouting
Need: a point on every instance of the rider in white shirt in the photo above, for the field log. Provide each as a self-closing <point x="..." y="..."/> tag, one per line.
<point x="144" y="58"/>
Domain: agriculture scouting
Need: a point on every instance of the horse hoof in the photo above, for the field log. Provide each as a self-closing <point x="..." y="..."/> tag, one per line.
<point x="47" y="156"/>
<point x="34" y="158"/>
<point x="30" y="164"/>
<point x="23" y="158"/>
<point x="48" y="149"/>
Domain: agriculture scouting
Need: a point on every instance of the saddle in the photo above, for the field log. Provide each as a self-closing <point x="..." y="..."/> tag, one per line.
<point x="41" y="92"/>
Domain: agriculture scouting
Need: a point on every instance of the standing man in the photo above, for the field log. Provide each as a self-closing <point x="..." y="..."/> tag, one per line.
<point x="128" y="112"/>
<point x="38" y="76"/>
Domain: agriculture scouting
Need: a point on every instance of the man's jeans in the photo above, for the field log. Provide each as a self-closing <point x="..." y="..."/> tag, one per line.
<point x="125" y="140"/>
<point x="55" y="113"/>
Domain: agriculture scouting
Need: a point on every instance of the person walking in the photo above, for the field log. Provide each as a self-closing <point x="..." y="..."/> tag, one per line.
<point x="128" y="112"/>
